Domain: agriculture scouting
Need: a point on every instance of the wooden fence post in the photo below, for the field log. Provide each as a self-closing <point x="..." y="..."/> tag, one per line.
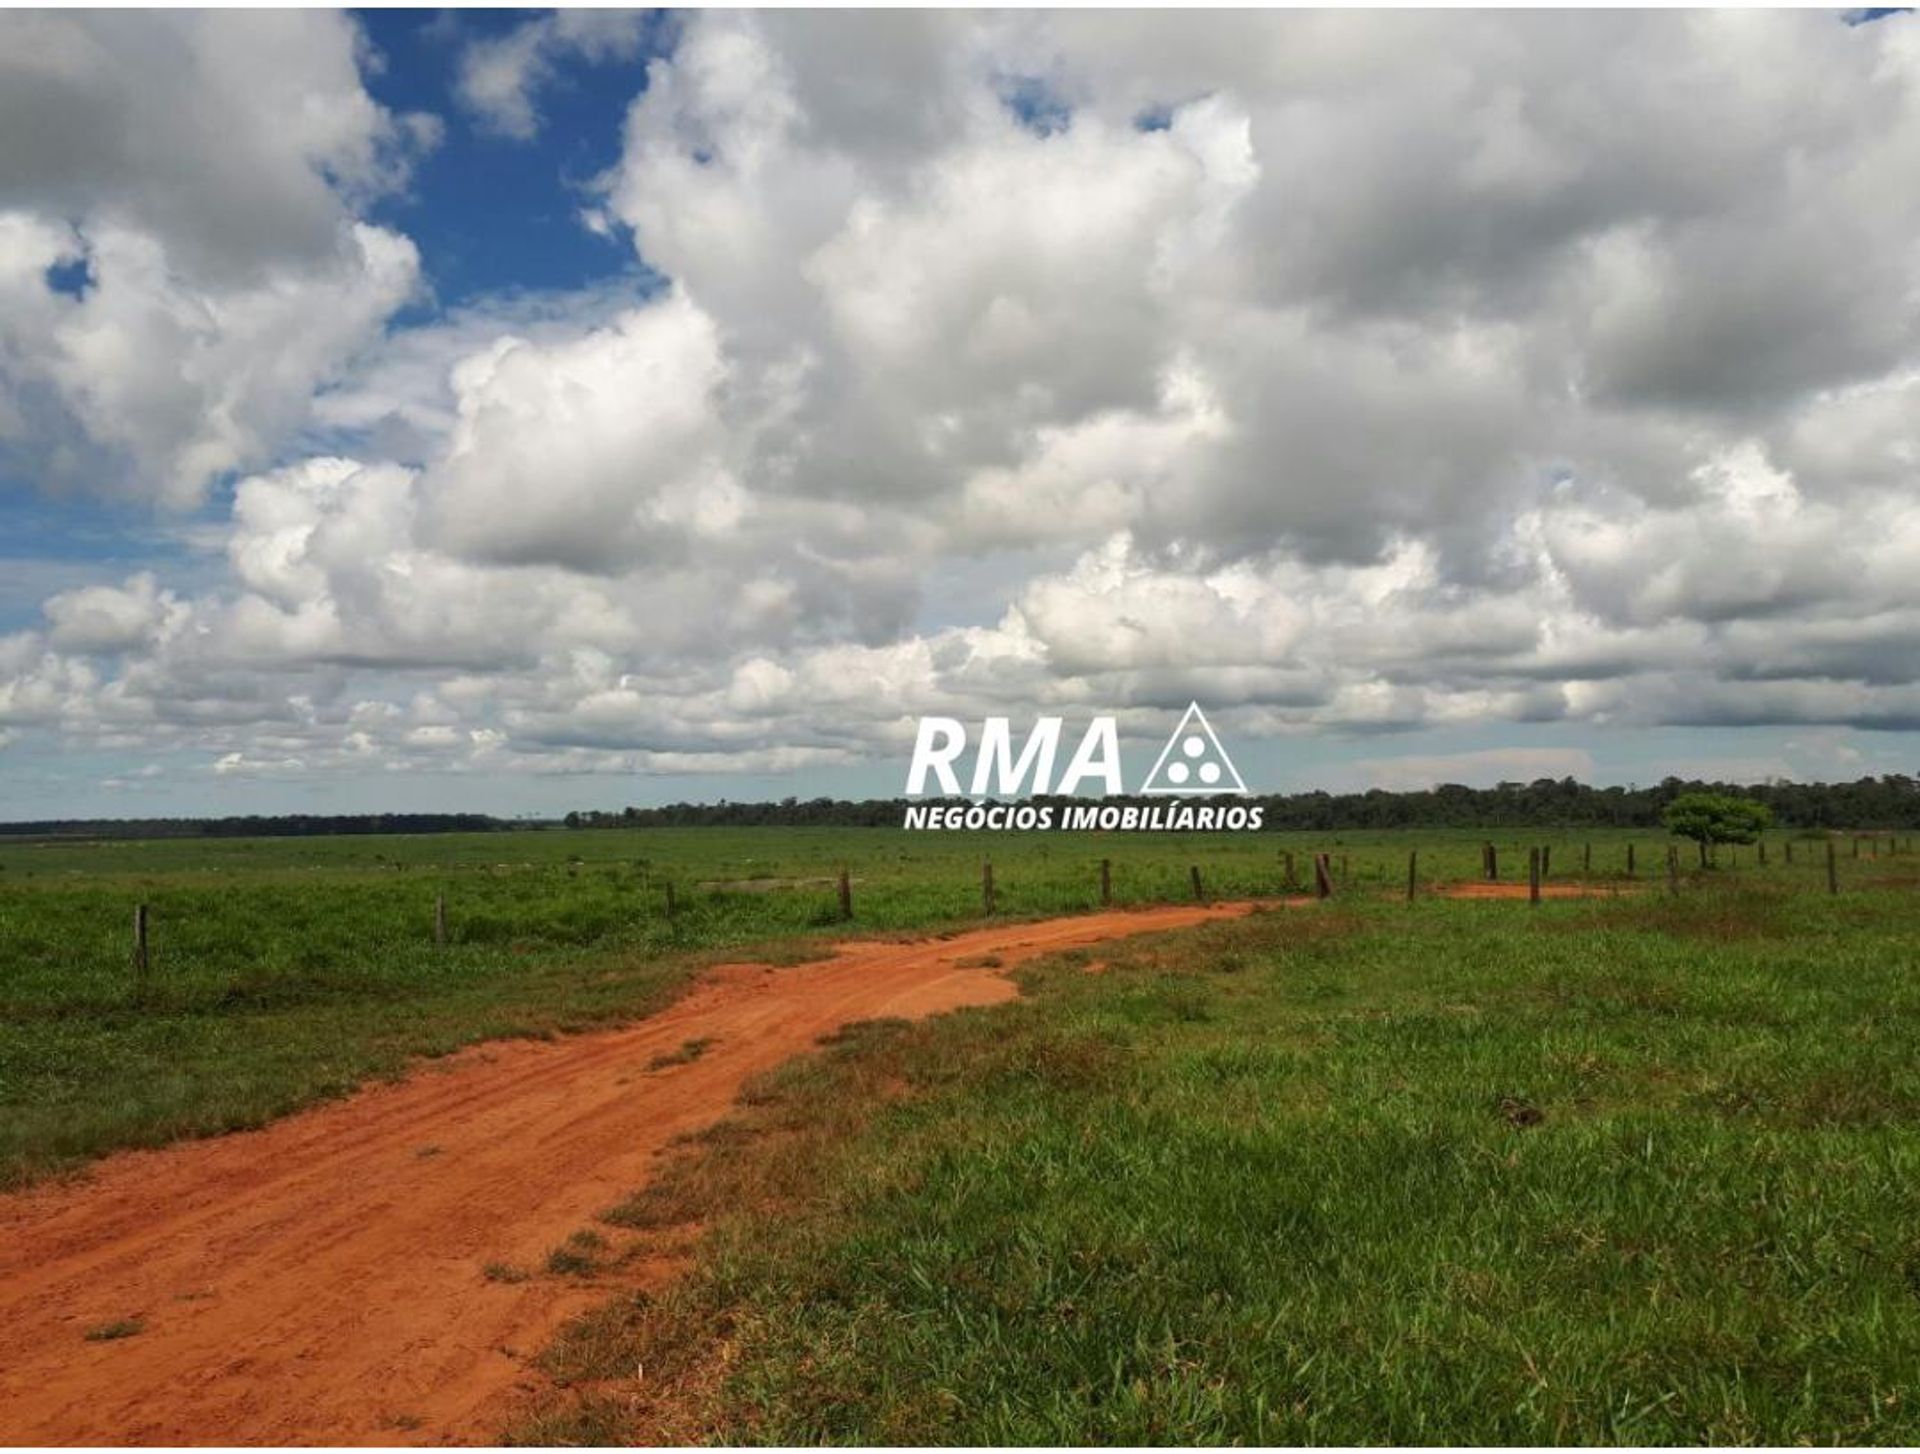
<point x="1789" y="851"/>
<point x="1322" y="877"/>
<point x="1673" y="868"/>
<point x="1761" y="846"/>
<point x="1491" y="855"/>
<point x="1413" y="875"/>
<point x="672" y="907"/>
<point x="141" y="962"/>
<point x="986" y="887"/>
<point x="1293" y="881"/>
<point x="1343" y="868"/>
<point x="1546" y="860"/>
<point x="1630" y="860"/>
<point x="846" y="895"/>
<point x="1106" y="882"/>
<point x="1533" y="875"/>
<point x="1873" y="847"/>
<point x="439" y="921"/>
<point x="1833" y="873"/>
<point x="1856" y="845"/>
<point x="1586" y="858"/>
<point x="1199" y="894"/>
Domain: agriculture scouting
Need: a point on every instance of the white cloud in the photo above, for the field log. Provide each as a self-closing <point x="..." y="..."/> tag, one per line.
<point x="499" y="76"/>
<point x="110" y="618"/>
<point x="1072" y="361"/>
<point x="620" y="429"/>
<point x="198" y="173"/>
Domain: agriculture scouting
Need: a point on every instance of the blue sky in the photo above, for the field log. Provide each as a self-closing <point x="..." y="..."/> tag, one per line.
<point x="495" y="214"/>
<point x="411" y="409"/>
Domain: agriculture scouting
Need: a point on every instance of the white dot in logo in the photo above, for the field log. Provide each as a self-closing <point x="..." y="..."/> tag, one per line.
<point x="1177" y="771"/>
<point x="1209" y="772"/>
<point x="1193" y="746"/>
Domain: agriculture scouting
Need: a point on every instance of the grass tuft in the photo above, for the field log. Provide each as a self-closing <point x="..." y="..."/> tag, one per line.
<point x="114" y="1331"/>
<point x="688" y="1052"/>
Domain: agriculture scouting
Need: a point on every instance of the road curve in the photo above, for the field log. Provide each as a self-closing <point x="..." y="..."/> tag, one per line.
<point x="319" y="1281"/>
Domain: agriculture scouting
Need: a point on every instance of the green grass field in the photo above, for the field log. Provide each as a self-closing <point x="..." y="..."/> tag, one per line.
<point x="1642" y="1170"/>
<point x="1637" y="1168"/>
<point x="285" y="970"/>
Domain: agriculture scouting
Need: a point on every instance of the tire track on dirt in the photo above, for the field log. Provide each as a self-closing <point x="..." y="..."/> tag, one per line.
<point x="320" y="1280"/>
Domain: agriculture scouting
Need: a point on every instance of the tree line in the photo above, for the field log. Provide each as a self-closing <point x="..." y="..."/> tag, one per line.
<point x="1892" y="801"/>
<point x="288" y="825"/>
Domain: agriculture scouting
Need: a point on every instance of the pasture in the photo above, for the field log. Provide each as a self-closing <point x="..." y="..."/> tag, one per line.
<point x="1627" y="1171"/>
<point x="1637" y="1166"/>
<point x="284" y="970"/>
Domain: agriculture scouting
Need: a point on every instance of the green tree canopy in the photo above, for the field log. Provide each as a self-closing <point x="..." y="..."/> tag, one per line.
<point x="1716" y="818"/>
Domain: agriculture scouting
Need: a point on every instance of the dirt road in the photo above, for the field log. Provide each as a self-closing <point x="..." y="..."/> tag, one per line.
<point x="320" y="1280"/>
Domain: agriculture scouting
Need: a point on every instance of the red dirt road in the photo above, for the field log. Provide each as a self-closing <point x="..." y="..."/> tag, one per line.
<point x="320" y="1280"/>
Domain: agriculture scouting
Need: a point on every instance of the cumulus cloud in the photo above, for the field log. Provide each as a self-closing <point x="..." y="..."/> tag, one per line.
<point x="620" y="427"/>
<point x="109" y="618"/>
<point x="184" y="188"/>
<point x="500" y="76"/>
<point x="1352" y="373"/>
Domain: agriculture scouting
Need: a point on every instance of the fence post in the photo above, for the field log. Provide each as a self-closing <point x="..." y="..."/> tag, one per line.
<point x="439" y="921"/>
<point x="846" y="895"/>
<point x="1322" y="877"/>
<point x="1534" y="856"/>
<point x="1789" y="850"/>
<point x="1413" y="874"/>
<point x="1106" y="881"/>
<point x="1546" y="860"/>
<point x="1343" y="868"/>
<point x="1630" y="860"/>
<point x="1760" y="845"/>
<point x="1673" y="868"/>
<point x="1586" y="858"/>
<point x="671" y="905"/>
<point x="1293" y="881"/>
<point x="1491" y="865"/>
<point x="1199" y="894"/>
<point x="986" y="887"/>
<point x="140" y="959"/>
<point x="1833" y="873"/>
<point x="1873" y="847"/>
<point x="1856" y="845"/>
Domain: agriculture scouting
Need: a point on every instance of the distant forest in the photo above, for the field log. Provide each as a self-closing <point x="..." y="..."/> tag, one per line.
<point x="1883" y="802"/>
<point x="293" y="825"/>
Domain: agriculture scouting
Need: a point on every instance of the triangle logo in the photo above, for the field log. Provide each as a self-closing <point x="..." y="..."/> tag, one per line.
<point x="1193" y="761"/>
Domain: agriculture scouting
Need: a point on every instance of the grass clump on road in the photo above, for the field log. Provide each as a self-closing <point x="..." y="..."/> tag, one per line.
<point x="114" y="1331"/>
<point x="1633" y="1171"/>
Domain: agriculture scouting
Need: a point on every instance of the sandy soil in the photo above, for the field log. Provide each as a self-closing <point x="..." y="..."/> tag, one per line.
<point x="320" y="1281"/>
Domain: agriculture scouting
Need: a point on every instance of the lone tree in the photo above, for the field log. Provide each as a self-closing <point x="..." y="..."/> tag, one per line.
<point x="1710" y="818"/>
